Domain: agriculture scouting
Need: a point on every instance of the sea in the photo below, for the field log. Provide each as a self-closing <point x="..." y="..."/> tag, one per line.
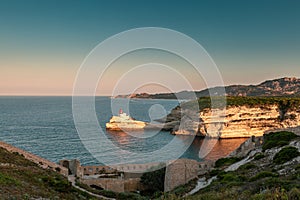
<point x="45" y="126"/>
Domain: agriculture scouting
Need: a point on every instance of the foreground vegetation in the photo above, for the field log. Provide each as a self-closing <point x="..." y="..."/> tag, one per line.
<point x="277" y="139"/>
<point x="265" y="177"/>
<point x="23" y="179"/>
<point x="273" y="173"/>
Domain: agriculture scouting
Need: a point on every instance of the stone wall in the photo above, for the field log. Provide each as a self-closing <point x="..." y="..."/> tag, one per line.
<point x="180" y="172"/>
<point x="116" y="185"/>
<point x="94" y="170"/>
<point x="43" y="163"/>
<point x="127" y="168"/>
<point x="73" y="167"/>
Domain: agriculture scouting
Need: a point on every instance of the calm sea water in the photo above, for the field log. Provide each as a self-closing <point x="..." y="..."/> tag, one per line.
<point x="44" y="126"/>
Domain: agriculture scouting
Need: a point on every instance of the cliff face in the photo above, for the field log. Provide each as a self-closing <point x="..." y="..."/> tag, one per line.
<point x="240" y="121"/>
<point x="247" y="121"/>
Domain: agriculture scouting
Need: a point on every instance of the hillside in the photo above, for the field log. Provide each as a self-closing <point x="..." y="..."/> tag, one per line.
<point x="277" y="87"/>
<point x="23" y="179"/>
<point x="268" y="171"/>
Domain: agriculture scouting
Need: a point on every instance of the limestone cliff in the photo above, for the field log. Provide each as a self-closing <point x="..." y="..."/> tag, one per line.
<point x="237" y="120"/>
<point x="244" y="121"/>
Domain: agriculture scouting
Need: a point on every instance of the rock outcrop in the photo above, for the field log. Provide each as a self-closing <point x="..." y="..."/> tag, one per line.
<point x="237" y="121"/>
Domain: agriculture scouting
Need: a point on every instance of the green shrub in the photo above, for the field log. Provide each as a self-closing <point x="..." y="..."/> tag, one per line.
<point x="286" y="154"/>
<point x="297" y="167"/>
<point x="259" y="156"/>
<point x="294" y="193"/>
<point x="227" y="177"/>
<point x="129" y="196"/>
<point x="277" y="139"/>
<point x="154" y="180"/>
<point x="247" y="166"/>
<point x="58" y="183"/>
<point x="183" y="189"/>
<point x="215" y="172"/>
<point x="107" y="193"/>
<point x="263" y="174"/>
<point x="277" y="193"/>
<point x="7" y="180"/>
<point x="226" y="161"/>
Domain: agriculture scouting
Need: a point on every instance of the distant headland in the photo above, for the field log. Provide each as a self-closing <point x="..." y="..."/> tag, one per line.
<point x="287" y="86"/>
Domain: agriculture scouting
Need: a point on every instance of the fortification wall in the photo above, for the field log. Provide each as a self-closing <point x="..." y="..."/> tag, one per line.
<point x="43" y="163"/>
<point x="116" y="185"/>
<point x="181" y="171"/>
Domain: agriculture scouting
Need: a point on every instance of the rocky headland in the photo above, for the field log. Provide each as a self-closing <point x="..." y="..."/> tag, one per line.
<point x="287" y="86"/>
<point x="243" y="117"/>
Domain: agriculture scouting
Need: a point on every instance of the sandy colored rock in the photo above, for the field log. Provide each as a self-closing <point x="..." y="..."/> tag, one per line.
<point x="240" y="121"/>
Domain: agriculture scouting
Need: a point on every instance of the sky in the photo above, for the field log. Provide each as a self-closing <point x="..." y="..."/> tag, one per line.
<point x="44" y="43"/>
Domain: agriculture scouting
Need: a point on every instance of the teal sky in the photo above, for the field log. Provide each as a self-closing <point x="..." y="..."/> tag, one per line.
<point x="43" y="43"/>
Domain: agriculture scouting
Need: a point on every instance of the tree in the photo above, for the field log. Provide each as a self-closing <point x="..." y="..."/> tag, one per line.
<point x="154" y="180"/>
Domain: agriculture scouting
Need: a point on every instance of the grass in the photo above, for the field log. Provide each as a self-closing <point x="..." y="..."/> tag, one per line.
<point x="8" y="180"/>
<point x="263" y="174"/>
<point x="23" y="179"/>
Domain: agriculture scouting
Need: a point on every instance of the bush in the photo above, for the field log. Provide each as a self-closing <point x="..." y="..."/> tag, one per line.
<point x="129" y="196"/>
<point x="215" y="172"/>
<point x="226" y="161"/>
<point x="277" y="139"/>
<point x="154" y="180"/>
<point x="58" y="183"/>
<point x="285" y="154"/>
<point x="183" y="189"/>
<point x="227" y="177"/>
<point x="277" y="193"/>
<point x="259" y="156"/>
<point x="263" y="174"/>
<point x="247" y="166"/>
<point x="8" y="180"/>
<point x="294" y="193"/>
